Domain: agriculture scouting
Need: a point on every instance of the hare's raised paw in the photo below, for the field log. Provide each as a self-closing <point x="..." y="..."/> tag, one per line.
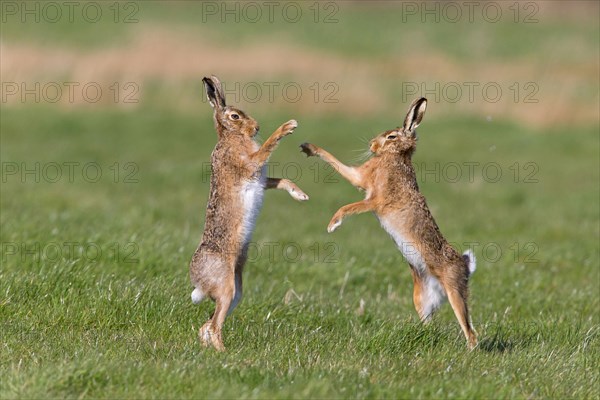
<point x="298" y="194"/>
<point x="309" y="149"/>
<point x="334" y="224"/>
<point x="288" y="127"/>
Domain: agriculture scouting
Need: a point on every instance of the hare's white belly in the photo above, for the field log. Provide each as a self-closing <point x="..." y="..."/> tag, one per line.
<point x="408" y="249"/>
<point x="252" y="199"/>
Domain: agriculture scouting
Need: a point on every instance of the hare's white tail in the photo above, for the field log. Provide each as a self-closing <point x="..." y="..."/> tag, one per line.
<point x="197" y="296"/>
<point x="471" y="260"/>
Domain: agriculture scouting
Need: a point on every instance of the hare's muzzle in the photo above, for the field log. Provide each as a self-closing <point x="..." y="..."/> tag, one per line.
<point x="373" y="145"/>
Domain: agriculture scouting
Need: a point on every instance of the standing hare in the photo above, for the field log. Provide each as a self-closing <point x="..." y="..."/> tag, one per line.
<point x="392" y="193"/>
<point x="237" y="184"/>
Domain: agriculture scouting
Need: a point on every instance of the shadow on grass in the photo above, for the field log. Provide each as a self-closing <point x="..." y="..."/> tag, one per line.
<point x="496" y="345"/>
<point x="506" y="337"/>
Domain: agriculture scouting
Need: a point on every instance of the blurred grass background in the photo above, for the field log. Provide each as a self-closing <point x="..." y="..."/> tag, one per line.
<point x="121" y="325"/>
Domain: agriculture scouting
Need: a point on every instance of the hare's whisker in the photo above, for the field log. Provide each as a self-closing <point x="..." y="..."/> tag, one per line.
<point x="363" y="139"/>
<point x="363" y="156"/>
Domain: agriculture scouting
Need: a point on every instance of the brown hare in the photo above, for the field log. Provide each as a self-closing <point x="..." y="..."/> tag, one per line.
<point x="237" y="184"/>
<point x="392" y="193"/>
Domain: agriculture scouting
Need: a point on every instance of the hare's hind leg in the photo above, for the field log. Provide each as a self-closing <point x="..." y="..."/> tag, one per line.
<point x="215" y="276"/>
<point x="428" y="294"/>
<point x="456" y="287"/>
<point x="237" y="296"/>
<point x="210" y="332"/>
<point x="238" y="291"/>
<point x="418" y="293"/>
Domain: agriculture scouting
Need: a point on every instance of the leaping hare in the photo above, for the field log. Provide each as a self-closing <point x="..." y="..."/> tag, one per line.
<point x="237" y="184"/>
<point x="392" y="193"/>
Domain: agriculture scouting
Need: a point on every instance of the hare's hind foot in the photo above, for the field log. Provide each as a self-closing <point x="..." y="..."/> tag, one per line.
<point x="209" y="336"/>
<point x="472" y="341"/>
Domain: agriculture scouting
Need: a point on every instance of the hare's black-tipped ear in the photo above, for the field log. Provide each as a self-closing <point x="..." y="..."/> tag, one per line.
<point x="415" y="115"/>
<point x="214" y="92"/>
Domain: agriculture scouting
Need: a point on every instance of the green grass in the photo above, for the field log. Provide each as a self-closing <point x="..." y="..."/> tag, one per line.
<point x="122" y="325"/>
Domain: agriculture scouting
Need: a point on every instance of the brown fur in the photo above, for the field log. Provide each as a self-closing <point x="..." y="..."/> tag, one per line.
<point x="392" y="193"/>
<point x="237" y="171"/>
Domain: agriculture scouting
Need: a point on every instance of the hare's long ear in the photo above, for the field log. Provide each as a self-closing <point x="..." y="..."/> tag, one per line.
<point x="415" y="115"/>
<point x="214" y="92"/>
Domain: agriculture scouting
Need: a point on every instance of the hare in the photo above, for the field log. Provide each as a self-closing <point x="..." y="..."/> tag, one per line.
<point x="392" y="193"/>
<point x="237" y="185"/>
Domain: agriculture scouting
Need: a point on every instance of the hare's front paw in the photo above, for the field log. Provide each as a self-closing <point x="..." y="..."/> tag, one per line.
<point x="288" y="127"/>
<point x="298" y="194"/>
<point x="309" y="149"/>
<point x="334" y="223"/>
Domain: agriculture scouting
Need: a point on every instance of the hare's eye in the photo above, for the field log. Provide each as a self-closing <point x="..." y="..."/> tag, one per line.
<point x="235" y="116"/>
<point x="391" y="137"/>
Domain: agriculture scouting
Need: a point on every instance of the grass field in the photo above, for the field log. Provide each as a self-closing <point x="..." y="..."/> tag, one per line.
<point x="102" y="206"/>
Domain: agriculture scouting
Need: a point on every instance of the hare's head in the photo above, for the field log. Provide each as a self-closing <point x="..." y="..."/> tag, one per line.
<point x="228" y="120"/>
<point x="402" y="139"/>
